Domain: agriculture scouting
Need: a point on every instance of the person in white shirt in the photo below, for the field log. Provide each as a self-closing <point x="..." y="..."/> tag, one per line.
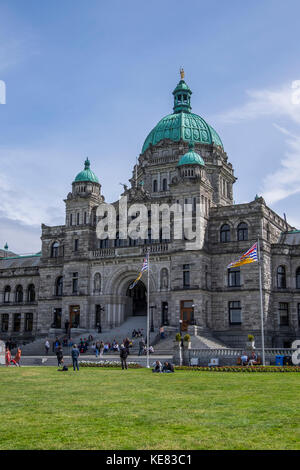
<point x="47" y="347"/>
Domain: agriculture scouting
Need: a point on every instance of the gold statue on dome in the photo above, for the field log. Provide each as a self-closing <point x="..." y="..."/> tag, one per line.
<point x="181" y="73"/>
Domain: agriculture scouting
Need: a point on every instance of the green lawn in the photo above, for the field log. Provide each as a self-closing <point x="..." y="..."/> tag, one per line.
<point x="136" y="409"/>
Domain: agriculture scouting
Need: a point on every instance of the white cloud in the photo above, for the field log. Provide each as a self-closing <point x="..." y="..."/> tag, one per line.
<point x="280" y="102"/>
<point x="285" y="181"/>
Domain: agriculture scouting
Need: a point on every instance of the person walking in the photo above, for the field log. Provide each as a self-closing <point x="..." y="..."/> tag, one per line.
<point x="141" y="346"/>
<point x="17" y="357"/>
<point x="47" y="347"/>
<point x="123" y="356"/>
<point x="7" y="357"/>
<point x="75" y="355"/>
<point x="60" y="356"/>
<point x="101" y="349"/>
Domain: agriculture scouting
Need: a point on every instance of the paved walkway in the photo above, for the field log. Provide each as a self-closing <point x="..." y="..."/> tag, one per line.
<point x="52" y="361"/>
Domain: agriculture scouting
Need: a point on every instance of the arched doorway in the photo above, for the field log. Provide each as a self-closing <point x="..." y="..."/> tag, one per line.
<point x="138" y="296"/>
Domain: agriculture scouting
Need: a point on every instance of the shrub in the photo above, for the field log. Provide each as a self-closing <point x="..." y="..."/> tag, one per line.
<point x="245" y="369"/>
<point x="250" y="338"/>
<point x="109" y="364"/>
<point x="187" y="338"/>
<point x="178" y="337"/>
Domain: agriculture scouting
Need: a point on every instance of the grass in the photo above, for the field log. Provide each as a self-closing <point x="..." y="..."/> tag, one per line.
<point x="136" y="409"/>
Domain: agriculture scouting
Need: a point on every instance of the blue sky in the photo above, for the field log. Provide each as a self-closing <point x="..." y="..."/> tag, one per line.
<point x="93" y="78"/>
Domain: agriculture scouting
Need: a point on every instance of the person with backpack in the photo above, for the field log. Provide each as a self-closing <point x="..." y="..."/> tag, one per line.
<point x="123" y="356"/>
<point x="75" y="354"/>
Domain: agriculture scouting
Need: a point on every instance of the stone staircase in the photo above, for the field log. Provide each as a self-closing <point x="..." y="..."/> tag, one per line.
<point x="36" y="348"/>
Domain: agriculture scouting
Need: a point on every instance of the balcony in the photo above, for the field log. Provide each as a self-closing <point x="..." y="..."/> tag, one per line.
<point x="122" y="251"/>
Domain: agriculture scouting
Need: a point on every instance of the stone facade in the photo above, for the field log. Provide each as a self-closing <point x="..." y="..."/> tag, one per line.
<point x="83" y="280"/>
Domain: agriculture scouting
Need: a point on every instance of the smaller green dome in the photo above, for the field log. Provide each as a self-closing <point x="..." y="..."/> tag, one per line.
<point x="87" y="174"/>
<point x="191" y="157"/>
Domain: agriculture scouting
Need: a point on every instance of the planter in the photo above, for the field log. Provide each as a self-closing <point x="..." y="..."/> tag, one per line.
<point x="250" y="344"/>
<point x="187" y="344"/>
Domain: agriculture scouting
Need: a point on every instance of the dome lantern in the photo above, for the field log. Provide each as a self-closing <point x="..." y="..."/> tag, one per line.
<point x="182" y="96"/>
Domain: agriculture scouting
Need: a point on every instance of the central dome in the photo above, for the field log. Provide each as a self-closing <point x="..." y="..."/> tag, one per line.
<point x="182" y="124"/>
<point x="186" y="126"/>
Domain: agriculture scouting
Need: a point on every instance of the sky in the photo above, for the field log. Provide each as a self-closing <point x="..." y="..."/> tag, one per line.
<point x="93" y="78"/>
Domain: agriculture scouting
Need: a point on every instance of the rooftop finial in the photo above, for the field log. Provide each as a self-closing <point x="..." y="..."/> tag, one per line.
<point x="6" y="246"/>
<point x="181" y="73"/>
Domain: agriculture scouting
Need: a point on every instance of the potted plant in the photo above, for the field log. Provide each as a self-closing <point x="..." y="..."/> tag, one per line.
<point x="251" y="342"/>
<point x="187" y="341"/>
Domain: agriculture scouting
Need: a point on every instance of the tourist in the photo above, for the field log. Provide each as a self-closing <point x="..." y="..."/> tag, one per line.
<point x="75" y="354"/>
<point x="141" y="346"/>
<point x="151" y="349"/>
<point x="168" y="367"/>
<point x="97" y="348"/>
<point x="157" y="366"/>
<point x="7" y="357"/>
<point x="59" y="355"/>
<point x="17" y="358"/>
<point x="162" y="332"/>
<point x="253" y="359"/>
<point x="244" y="359"/>
<point x="101" y="349"/>
<point x="123" y="356"/>
<point x="126" y="343"/>
<point x="47" y="347"/>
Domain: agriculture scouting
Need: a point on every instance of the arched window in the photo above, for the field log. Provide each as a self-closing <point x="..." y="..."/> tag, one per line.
<point x="31" y="293"/>
<point x="97" y="283"/>
<point x="281" y="277"/>
<point x="55" y="250"/>
<point x="225" y="233"/>
<point x="155" y="186"/>
<point x="164" y="184"/>
<point x="59" y="285"/>
<point x="19" y="294"/>
<point x="164" y="279"/>
<point x="298" y="278"/>
<point x="7" y="292"/>
<point x="242" y="232"/>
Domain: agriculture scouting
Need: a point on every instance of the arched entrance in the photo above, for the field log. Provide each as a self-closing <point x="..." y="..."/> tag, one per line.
<point x="138" y="297"/>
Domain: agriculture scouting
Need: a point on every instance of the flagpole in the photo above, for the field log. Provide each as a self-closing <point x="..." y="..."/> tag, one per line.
<point x="261" y="305"/>
<point x="148" y="309"/>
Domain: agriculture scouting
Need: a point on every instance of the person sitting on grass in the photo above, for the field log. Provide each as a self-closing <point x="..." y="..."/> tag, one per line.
<point x="157" y="366"/>
<point x="168" y="367"/>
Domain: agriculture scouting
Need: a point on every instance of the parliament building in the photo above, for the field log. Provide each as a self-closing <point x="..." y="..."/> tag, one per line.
<point x="80" y="279"/>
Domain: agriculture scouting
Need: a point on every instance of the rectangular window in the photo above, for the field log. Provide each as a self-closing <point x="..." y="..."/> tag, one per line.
<point x="76" y="244"/>
<point x="283" y="313"/>
<point x="298" y="314"/>
<point x="28" y="321"/>
<point x="235" y="313"/>
<point x="57" y="318"/>
<point x="17" y="322"/>
<point x="71" y="219"/>
<point x="186" y="275"/>
<point x="78" y="219"/>
<point x="234" y="277"/>
<point x="4" y="322"/>
<point x="75" y="283"/>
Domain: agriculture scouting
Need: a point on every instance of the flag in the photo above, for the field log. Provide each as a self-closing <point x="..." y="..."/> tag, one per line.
<point x="249" y="257"/>
<point x="144" y="268"/>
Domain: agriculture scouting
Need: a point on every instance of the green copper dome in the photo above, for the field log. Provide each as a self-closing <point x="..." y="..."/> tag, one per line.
<point x="191" y="157"/>
<point x="182" y="124"/>
<point x="87" y="174"/>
